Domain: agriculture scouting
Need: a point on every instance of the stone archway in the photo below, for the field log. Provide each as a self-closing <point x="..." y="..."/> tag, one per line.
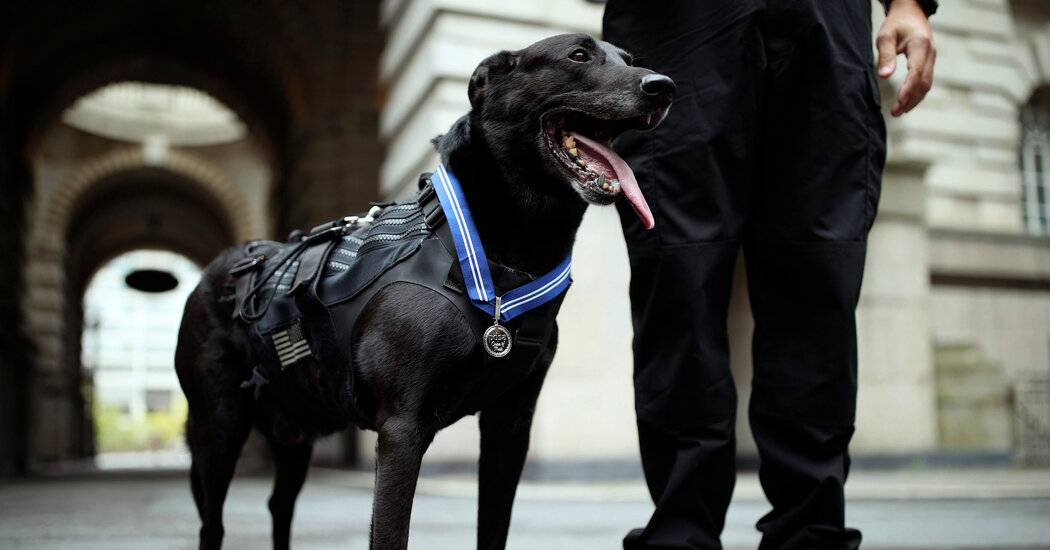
<point x="59" y="262"/>
<point x="300" y="77"/>
<point x="56" y="208"/>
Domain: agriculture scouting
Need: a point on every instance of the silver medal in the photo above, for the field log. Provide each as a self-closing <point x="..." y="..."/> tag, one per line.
<point x="497" y="339"/>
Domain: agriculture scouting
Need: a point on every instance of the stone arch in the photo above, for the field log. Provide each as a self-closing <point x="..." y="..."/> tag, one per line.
<point x="59" y="205"/>
<point x="266" y="121"/>
<point x="1032" y="49"/>
<point x="51" y="289"/>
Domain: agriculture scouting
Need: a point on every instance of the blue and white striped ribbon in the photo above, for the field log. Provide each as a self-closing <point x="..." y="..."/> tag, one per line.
<point x="475" y="265"/>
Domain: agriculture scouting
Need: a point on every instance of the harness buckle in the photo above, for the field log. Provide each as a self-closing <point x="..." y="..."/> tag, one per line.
<point x="432" y="212"/>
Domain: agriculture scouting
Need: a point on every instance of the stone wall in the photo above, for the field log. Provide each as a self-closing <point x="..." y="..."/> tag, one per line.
<point x="14" y="347"/>
<point x="973" y="401"/>
<point x="1010" y="327"/>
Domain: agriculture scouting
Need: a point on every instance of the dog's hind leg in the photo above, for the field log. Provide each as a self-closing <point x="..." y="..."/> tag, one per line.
<point x="212" y="359"/>
<point x="402" y="443"/>
<point x="505" y="427"/>
<point x="197" y="486"/>
<point x="216" y="444"/>
<point x="292" y="463"/>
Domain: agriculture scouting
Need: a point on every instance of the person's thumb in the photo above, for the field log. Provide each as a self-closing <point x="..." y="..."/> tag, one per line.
<point x="887" y="45"/>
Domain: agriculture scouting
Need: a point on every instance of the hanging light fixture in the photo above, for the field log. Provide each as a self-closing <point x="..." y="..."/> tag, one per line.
<point x="151" y="280"/>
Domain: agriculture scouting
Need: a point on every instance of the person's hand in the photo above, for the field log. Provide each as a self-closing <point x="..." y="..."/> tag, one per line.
<point x="907" y="31"/>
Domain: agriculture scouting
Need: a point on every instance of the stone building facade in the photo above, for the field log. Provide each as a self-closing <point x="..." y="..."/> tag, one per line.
<point x="339" y="101"/>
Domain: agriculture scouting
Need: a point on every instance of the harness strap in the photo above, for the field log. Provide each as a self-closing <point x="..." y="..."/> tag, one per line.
<point x="310" y="263"/>
<point x="322" y="234"/>
<point x="433" y="214"/>
<point x="242" y="272"/>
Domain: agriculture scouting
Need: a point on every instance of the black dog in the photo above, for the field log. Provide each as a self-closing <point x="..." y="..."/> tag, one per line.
<point x="530" y="156"/>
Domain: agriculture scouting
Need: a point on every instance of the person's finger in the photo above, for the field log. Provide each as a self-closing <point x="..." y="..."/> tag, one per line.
<point x="927" y="73"/>
<point x="914" y="89"/>
<point x="924" y="54"/>
<point x="887" y="45"/>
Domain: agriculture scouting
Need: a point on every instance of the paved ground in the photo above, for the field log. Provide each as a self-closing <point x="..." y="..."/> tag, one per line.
<point x="969" y="509"/>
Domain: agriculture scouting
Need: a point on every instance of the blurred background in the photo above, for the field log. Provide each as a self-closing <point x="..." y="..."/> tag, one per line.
<point x="141" y="138"/>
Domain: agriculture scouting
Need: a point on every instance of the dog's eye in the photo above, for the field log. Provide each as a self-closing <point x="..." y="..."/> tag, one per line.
<point x="580" y="55"/>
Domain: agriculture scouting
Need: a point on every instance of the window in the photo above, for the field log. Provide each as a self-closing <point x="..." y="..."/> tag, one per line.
<point x="1035" y="163"/>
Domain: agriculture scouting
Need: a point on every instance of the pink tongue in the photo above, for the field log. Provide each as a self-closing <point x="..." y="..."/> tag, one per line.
<point x="628" y="183"/>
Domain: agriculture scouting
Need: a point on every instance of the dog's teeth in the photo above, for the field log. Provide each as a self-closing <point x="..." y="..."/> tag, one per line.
<point x="569" y="142"/>
<point x="574" y="151"/>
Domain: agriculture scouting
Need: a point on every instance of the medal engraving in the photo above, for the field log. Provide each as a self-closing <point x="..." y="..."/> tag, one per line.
<point x="497" y="339"/>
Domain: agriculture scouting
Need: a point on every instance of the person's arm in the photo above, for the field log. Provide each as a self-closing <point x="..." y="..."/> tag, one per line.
<point x="907" y="31"/>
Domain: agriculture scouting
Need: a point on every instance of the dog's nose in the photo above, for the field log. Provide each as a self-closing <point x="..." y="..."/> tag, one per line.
<point x="658" y="85"/>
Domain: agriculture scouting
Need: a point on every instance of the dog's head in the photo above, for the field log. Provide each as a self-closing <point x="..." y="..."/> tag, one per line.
<point x="569" y="96"/>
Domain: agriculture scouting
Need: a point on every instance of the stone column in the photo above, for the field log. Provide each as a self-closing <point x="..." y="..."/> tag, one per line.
<point x="897" y="409"/>
<point x="49" y="417"/>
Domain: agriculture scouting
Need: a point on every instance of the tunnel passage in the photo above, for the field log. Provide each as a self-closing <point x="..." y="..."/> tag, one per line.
<point x="299" y="77"/>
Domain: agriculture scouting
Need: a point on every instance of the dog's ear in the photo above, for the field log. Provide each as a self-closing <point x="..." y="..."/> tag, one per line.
<point x="491" y="68"/>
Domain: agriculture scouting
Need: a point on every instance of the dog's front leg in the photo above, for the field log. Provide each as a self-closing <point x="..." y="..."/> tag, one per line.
<point x="402" y="443"/>
<point x="505" y="427"/>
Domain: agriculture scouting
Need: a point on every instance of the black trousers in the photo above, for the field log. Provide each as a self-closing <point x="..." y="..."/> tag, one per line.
<point x="775" y="145"/>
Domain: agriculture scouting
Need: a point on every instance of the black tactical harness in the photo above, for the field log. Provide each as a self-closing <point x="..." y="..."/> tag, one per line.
<point x="302" y="299"/>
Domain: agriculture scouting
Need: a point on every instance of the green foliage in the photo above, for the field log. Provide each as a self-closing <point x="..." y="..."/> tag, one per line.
<point x="118" y="431"/>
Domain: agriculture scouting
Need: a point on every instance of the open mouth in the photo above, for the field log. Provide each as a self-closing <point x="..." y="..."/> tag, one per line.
<point x="582" y="145"/>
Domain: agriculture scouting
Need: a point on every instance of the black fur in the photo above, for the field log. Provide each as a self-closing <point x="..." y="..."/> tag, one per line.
<point x="416" y="364"/>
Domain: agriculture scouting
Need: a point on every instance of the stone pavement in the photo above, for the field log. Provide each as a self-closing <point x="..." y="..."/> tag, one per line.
<point x="906" y="510"/>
